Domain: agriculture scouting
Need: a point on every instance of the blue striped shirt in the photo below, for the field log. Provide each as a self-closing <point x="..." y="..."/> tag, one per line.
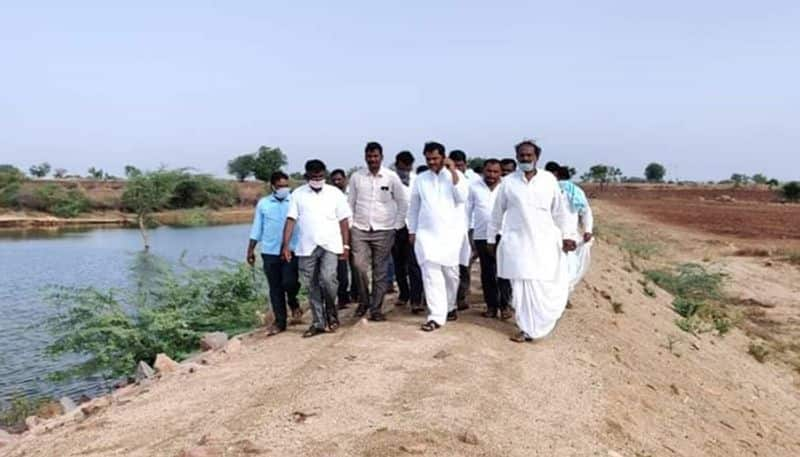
<point x="268" y="222"/>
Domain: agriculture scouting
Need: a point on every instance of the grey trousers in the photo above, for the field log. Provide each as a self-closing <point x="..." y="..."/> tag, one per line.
<point x="371" y="251"/>
<point x="318" y="274"/>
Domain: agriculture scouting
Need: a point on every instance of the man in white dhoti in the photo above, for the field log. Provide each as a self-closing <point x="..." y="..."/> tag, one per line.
<point x="436" y="226"/>
<point x="530" y="210"/>
<point x="580" y="217"/>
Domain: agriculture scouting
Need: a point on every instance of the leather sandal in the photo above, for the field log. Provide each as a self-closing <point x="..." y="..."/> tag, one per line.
<point x="430" y="326"/>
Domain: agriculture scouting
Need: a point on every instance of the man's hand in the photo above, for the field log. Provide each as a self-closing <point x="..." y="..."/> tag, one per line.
<point x="345" y="254"/>
<point x="251" y="257"/>
<point x="449" y="164"/>
<point x="587" y="237"/>
<point x="569" y="245"/>
<point x="412" y="238"/>
<point x="286" y="254"/>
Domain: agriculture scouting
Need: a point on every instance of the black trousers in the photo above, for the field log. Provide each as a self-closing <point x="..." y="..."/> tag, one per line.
<point x="284" y="285"/>
<point x="343" y="275"/>
<point x="496" y="291"/>
<point x="406" y="269"/>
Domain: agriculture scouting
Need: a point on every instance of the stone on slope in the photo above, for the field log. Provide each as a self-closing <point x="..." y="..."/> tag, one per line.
<point x="213" y="341"/>
<point x="164" y="364"/>
<point x="143" y="371"/>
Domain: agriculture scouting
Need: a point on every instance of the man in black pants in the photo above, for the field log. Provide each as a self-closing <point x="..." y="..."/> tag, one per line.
<point x="406" y="268"/>
<point x="344" y="269"/>
<point x="496" y="291"/>
<point x="267" y="229"/>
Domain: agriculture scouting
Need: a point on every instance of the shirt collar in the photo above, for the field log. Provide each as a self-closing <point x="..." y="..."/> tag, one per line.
<point x="381" y="171"/>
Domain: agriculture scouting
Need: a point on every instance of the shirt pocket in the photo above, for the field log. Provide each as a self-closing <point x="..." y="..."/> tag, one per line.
<point x="384" y="193"/>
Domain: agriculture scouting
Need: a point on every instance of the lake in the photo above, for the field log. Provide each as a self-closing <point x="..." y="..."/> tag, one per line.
<point x="29" y="261"/>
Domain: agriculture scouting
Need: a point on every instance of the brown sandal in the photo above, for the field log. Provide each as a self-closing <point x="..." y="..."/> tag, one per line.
<point x="521" y="337"/>
<point x="506" y="314"/>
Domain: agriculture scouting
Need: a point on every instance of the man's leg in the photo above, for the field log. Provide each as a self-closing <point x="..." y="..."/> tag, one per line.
<point x="451" y="279"/>
<point x="435" y="292"/>
<point x="417" y="293"/>
<point x="381" y="246"/>
<point x="400" y="255"/>
<point x="277" y="293"/>
<point x="327" y="278"/>
<point x="291" y="284"/>
<point x="343" y="276"/>
<point x="362" y="259"/>
<point x="488" y="277"/>
<point x="309" y="271"/>
<point x="463" y="287"/>
<point x="505" y="293"/>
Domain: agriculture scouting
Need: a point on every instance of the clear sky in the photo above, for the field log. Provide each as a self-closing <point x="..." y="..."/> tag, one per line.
<point x="706" y="87"/>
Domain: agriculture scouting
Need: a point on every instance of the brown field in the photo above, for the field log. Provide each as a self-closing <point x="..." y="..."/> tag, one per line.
<point x="745" y="212"/>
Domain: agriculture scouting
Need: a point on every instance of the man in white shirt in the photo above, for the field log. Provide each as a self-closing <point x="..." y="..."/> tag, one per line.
<point x="459" y="159"/>
<point x="580" y="216"/>
<point x="436" y="222"/>
<point x="531" y="212"/>
<point x="409" y="276"/>
<point x="496" y="291"/>
<point x="320" y="213"/>
<point x="379" y="204"/>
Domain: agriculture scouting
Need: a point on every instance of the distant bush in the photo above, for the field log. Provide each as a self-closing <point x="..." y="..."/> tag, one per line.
<point x="791" y="191"/>
<point x="192" y="191"/>
<point x="167" y="311"/>
<point x="10" y="182"/>
<point x="19" y="408"/>
<point x="58" y="200"/>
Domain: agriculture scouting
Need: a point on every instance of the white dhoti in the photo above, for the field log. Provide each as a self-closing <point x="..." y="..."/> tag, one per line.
<point x="539" y="304"/>
<point x="441" y="286"/>
<point x="578" y="264"/>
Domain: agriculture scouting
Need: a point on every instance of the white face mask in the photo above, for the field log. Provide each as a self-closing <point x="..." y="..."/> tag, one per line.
<point x="527" y="166"/>
<point x="316" y="184"/>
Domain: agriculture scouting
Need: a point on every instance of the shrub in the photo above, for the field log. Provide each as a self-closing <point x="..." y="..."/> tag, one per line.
<point x="791" y="191"/>
<point x="59" y="201"/>
<point x="192" y="191"/>
<point x="758" y="352"/>
<point x="166" y="311"/>
<point x="10" y="183"/>
<point x="19" y="408"/>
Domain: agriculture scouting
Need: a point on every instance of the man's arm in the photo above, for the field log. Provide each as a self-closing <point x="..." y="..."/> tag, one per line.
<point x="460" y="189"/>
<point x="587" y="219"/>
<point x="413" y="212"/>
<point x="255" y="234"/>
<point x="288" y="229"/>
<point x="344" y="229"/>
<point x="400" y="197"/>
<point x="558" y="210"/>
<point x="352" y="192"/>
<point x="496" y="219"/>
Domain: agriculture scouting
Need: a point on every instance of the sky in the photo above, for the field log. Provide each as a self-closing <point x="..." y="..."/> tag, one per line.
<point x="708" y="88"/>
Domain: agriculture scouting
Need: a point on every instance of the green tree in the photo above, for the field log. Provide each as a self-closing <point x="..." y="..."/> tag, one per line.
<point x="475" y="164"/>
<point x="791" y="191"/>
<point x="59" y="173"/>
<point x="739" y="179"/>
<point x="147" y="193"/>
<point x="773" y="183"/>
<point x="242" y="167"/>
<point x="95" y="173"/>
<point x="10" y="182"/>
<point x="759" y="178"/>
<point x="132" y="172"/>
<point x="40" y="171"/>
<point x="267" y="161"/>
<point x="655" y="172"/>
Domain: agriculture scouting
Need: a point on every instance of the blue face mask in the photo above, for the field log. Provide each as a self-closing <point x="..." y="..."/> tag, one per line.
<point x="281" y="193"/>
<point x="527" y="166"/>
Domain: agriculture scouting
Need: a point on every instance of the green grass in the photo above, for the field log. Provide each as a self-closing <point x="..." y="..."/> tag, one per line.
<point x="20" y="407"/>
<point x="758" y="351"/>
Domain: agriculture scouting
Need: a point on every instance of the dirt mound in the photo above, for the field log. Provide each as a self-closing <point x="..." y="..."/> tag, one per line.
<point x="617" y="377"/>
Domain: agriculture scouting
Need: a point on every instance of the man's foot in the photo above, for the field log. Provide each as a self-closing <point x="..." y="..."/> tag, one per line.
<point x="490" y="314"/>
<point x="521" y="337"/>
<point x="313" y="331"/>
<point x="361" y="311"/>
<point x="417" y="308"/>
<point x="430" y="326"/>
<point x="462" y="306"/>
<point x="333" y="324"/>
<point x="401" y="303"/>
<point x="452" y="315"/>
<point x="506" y="314"/>
<point x="391" y="289"/>
<point x="377" y="317"/>
<point x="274" y="330"/>
<point x="569" y="304"/>
<point x="343" y="304"/>
<point x="297" y="313"/>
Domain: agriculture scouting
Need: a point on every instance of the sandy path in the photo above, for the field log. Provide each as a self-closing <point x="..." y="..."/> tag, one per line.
<point x="630" y="383"/>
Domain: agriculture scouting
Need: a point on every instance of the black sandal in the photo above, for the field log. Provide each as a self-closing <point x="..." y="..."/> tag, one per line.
<point x="452" y="315"/>
<point x="430" y="326"/>
<point x="490" y="314"/>
<point x="521" y="337"/>
<point x="417" y="308"/>
<point x="313" y="331"/>
<point x="333" y="325"/>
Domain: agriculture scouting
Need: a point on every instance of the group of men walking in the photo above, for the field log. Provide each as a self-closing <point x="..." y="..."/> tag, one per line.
<point x="530" y="229"/>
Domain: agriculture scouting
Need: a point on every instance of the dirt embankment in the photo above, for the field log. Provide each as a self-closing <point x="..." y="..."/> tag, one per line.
<point x="617" y="378"/>
<point x="105" y="201"/>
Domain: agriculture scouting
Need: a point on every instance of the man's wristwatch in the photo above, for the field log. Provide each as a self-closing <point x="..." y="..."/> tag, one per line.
<point x="346" y="246"/>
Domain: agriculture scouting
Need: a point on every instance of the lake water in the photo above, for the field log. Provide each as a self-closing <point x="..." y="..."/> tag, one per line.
<point x="29" y="261"/>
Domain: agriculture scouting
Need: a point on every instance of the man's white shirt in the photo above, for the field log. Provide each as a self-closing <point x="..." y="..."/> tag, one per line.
<point x="479" y="208"/>
<point x="436" y="216"/>
<point x="378" y="202"/>
<point x="534" y="219"/>
<point x="318" y="215"/>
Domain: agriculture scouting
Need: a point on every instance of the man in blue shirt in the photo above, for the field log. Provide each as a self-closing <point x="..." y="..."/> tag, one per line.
<point x="267" y="229"/>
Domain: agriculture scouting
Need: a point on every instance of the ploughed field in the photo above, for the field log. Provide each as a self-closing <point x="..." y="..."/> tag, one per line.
<point x="747" y="212"/>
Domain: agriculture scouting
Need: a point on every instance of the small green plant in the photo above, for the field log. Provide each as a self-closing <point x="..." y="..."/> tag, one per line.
<point x="758" y="352"/>
<point x="19" y="408"/>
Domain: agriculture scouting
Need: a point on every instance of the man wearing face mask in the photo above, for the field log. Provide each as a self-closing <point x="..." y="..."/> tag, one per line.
<point x="320" y="214"/>
<point x="267" y="229"/>
<point x="379" y="205"/>
<point x="531" y="212"/>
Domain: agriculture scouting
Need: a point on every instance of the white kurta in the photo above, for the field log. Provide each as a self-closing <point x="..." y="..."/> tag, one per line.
<point x="534" y="221"/>
<point x="436" y="215"/>
<point x="578" y="260"/>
